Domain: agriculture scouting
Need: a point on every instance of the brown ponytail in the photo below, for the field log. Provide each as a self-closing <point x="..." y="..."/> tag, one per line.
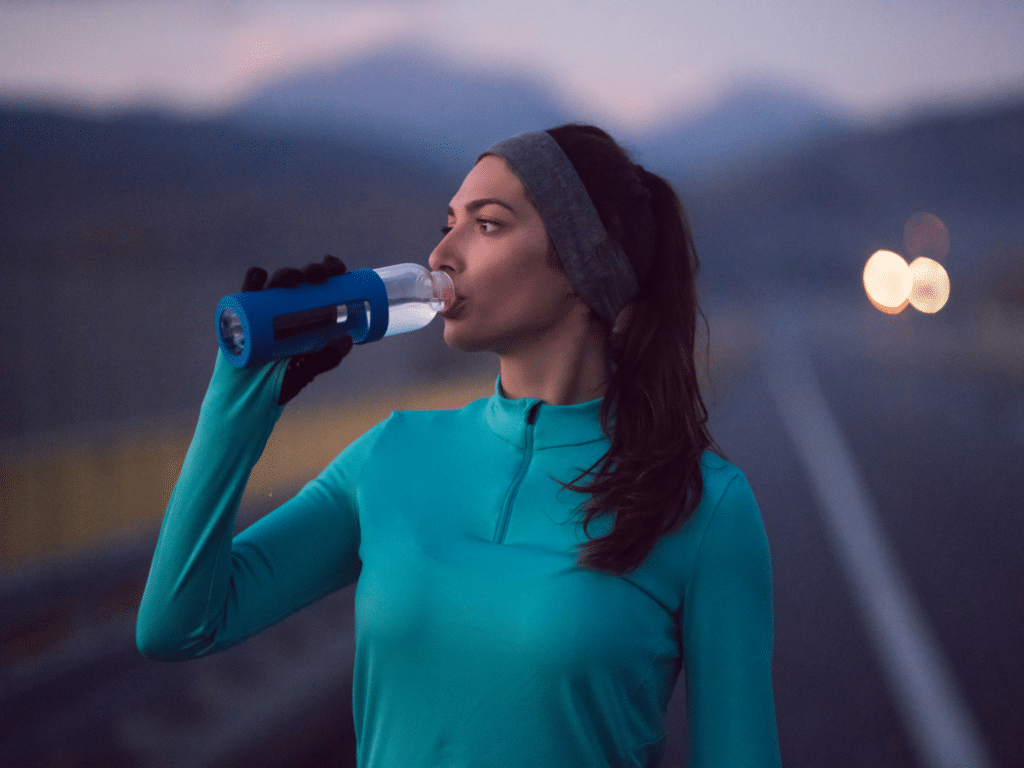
<point x="653" y="411"/>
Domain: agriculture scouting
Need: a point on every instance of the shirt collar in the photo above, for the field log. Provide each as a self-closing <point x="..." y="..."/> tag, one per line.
<point x="553" y="425"/>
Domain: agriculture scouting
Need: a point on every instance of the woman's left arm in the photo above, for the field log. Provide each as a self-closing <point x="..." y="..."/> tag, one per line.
<point x="727" y="630"/>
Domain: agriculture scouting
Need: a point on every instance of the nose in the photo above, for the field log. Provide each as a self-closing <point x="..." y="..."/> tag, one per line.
<point x="444" y="258"/>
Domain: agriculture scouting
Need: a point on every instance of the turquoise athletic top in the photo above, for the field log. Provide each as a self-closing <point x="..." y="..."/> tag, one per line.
<point x="479" y="642"/>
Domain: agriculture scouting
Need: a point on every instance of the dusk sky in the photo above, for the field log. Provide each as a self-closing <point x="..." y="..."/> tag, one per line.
<point x="626" y="63"/>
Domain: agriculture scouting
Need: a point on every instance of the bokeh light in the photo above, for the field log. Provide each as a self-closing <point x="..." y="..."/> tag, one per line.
<point x="930" y="289"/>
<point x="888" y="282"/>
<point x="926" y="235"/>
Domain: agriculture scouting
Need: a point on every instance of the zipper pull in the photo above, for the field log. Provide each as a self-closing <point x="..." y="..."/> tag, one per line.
<point x="531" y="415"/>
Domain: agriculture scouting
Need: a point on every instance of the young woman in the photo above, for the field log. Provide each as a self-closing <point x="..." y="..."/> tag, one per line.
<point x="535" y="569"/>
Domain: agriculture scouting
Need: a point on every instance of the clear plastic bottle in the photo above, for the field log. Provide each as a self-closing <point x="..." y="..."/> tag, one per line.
<point x="256" y="327"/>
<point x="415" y="295"/>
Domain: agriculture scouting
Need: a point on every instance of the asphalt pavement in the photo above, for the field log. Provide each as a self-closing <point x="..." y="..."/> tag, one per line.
<point x="912" y="660"/>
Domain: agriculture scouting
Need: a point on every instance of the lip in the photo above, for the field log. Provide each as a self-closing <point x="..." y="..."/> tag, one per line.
<point x="452" y="311"/>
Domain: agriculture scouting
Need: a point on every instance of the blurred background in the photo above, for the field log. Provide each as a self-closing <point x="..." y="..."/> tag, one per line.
<point x="151" y="151"/>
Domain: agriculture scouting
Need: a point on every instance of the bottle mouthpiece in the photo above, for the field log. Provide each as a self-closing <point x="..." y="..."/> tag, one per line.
<point x="444" y="291"/>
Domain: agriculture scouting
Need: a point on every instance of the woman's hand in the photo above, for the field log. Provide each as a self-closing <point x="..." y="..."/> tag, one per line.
<point x="302" y="369"/>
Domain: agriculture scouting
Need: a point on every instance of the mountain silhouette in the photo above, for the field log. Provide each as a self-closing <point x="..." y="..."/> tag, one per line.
<point x="408" y="98"/>
<point x="813" y="213"/>
<point x="749" y="118"/>
<point x="418" y="99"/>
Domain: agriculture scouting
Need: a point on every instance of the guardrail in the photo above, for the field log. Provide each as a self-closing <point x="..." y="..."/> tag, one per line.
<point x="74" y="691"/>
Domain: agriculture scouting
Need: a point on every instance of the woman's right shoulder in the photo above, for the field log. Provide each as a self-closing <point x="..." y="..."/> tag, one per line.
<point x="405" y="433"/>
<point x="468" y="415"/>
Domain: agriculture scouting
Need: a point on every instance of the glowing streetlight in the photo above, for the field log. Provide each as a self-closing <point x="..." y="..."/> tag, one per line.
<point x="891" y="283"/>
<point x="930" y="289"/>
<point x="888" y="282"/>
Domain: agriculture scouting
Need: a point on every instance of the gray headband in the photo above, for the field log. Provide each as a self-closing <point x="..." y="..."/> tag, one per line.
<point x="595" y="264"/>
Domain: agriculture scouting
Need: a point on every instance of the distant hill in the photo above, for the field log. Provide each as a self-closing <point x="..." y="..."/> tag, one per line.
<point x="411" y="99"/>
<point x="751" y="118"/>
<point x="416" y="99"/>
<point x="118" y="236"/>
<point x="815" y="212"/>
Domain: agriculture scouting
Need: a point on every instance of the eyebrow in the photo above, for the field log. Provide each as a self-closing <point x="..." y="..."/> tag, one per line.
<point x="476" y="205"/>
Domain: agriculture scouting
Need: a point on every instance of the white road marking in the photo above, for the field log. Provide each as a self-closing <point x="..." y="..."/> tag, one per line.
<point x="937" y="719"/>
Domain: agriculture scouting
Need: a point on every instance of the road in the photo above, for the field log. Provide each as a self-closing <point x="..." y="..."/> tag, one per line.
<point x="938" y="452"/>
<point x="889" y="475"/>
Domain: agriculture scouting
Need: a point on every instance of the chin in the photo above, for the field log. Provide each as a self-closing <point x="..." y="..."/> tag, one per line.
<point x="458" y="341"/>
<point x="462" y="340"/>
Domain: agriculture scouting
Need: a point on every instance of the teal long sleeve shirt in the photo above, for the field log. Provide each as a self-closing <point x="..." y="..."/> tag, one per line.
<point x="479" y="641"/>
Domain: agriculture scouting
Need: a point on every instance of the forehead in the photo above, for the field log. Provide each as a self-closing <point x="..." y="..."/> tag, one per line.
<point x="492" y="178"/>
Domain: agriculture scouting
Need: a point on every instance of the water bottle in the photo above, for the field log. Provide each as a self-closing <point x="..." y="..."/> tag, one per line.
<point x="256" y="327"/>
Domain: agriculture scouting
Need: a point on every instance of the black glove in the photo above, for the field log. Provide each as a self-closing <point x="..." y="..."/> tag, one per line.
<point x="303" y="368"/>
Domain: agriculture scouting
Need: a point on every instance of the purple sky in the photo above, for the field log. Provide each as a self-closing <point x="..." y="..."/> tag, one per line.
<point x="625" y="63"/>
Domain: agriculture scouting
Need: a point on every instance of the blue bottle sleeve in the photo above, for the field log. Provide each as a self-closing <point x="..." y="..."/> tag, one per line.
<point x="256" y="312"/>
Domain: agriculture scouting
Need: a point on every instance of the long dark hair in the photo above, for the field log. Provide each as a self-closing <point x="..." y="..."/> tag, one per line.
<point x="652" y="412"/>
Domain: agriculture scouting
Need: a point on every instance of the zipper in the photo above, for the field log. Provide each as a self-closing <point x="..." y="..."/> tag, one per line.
<point x="513" y="490"/>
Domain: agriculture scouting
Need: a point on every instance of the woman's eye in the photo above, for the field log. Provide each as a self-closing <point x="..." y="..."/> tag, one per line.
<point x="487" y="226"/>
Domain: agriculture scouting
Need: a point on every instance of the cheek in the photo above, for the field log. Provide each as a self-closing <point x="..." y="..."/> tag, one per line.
<point x="525" y="292"/>
<point x="547" y="289"/>
<point x="506" y="278"/>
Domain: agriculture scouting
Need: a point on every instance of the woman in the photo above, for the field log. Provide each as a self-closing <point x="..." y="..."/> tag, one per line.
<point x="535" y="569"/>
